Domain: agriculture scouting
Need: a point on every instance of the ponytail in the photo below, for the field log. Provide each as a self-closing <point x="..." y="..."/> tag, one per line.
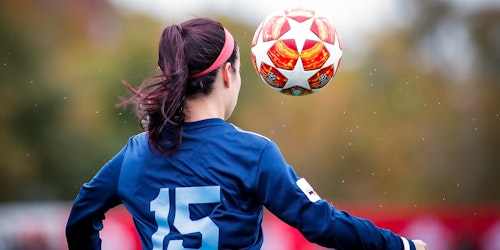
<point x="184" y="51"/>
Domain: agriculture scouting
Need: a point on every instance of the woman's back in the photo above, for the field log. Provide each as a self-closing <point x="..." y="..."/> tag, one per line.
<point x="207" y="186"/>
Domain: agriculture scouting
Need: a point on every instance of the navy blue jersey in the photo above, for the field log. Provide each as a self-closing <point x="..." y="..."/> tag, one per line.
<point x="210" y="194"/>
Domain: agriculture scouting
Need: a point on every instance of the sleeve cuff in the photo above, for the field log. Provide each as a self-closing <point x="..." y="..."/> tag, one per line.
<point x="407" y="244"/>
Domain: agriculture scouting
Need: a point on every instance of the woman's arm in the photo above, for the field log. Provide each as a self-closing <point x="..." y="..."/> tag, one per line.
<point x="294" y="201"/>
<point x="89" y="207"/>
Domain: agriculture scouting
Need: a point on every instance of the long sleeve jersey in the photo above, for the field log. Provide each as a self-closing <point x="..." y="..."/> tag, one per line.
<point x="210" y="194"/>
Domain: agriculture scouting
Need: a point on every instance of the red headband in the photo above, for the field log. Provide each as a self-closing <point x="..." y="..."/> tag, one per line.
<point x="224" y="55"/>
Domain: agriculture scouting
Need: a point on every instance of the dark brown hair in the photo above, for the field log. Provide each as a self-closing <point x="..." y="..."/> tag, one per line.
<point x="184" y="50"/>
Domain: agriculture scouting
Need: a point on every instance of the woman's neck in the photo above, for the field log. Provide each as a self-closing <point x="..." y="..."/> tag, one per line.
<point x="202" y="108"/>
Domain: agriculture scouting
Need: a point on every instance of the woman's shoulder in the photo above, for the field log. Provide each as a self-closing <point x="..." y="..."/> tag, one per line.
<point x="138" y="139"/>
<point x="139" y="136"/>
<point x="222" y="130"/>
<point x="249" y="135"/>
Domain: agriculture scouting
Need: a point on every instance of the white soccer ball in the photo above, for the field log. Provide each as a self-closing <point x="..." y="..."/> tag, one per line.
<point x="296" y="51"/>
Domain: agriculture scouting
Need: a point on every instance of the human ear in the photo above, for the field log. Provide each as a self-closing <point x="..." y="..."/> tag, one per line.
<point x="226" y="74"/>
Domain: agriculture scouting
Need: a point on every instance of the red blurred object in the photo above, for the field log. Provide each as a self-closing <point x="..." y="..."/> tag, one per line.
<point x="40" y="226"/>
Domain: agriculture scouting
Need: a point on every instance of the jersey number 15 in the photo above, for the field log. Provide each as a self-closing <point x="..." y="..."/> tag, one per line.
<point x="184" y="196"/>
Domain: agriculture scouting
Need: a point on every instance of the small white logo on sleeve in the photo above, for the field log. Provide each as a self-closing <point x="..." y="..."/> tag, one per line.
<point x="307" y="190"/>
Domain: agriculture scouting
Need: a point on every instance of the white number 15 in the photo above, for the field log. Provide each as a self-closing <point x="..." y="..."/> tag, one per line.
<point x="184" y="196"/>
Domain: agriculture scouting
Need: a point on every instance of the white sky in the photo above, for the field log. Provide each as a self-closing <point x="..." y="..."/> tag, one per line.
<point x="350" y="17"/>
<point x="352" y="11"/>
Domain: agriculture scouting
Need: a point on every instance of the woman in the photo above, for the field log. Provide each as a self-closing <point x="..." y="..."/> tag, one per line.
<point x="194" y="181"/>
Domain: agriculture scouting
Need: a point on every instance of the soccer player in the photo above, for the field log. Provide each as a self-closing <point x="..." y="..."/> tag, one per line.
<point x="193" y="180"/>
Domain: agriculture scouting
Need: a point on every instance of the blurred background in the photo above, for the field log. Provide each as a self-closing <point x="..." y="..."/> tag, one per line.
<point x="407" y="134"/>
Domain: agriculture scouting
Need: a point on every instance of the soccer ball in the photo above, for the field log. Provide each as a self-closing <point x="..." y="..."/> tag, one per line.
<point x="296" y="51"/>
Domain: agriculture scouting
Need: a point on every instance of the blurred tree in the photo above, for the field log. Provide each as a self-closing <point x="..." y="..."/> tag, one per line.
<point x="55" y="95"/>
<point x="415" y="121"/>
<point x="433" y="132"/>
